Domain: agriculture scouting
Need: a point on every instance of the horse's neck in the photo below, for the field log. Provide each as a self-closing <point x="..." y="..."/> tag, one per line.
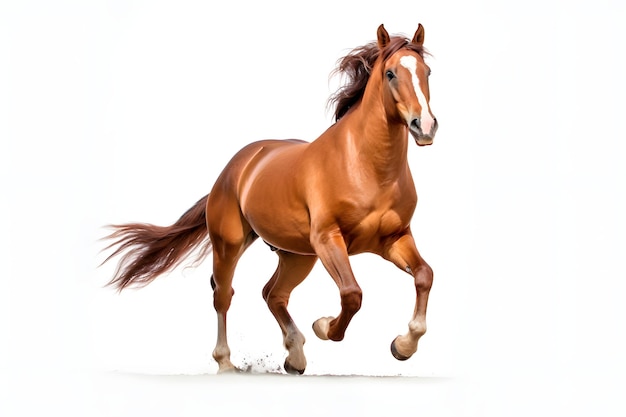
<point x="380" y="143"/>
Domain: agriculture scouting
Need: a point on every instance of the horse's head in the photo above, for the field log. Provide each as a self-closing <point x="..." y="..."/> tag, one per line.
<point x="405" y="84"/>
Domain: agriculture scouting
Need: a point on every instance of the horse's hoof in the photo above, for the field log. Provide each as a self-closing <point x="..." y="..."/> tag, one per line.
<point x="291" y="369"/>
<point x="395" y="353"/>
<point x="321" y="326"/>
<point x="229" y="370"/>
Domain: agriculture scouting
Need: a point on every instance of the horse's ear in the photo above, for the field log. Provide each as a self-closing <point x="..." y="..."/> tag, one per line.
<point x="418" y="38"/>
<point x="383" y="37"/>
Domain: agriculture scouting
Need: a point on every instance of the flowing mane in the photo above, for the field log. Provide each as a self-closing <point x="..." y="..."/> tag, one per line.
<point x="356" y="68"/>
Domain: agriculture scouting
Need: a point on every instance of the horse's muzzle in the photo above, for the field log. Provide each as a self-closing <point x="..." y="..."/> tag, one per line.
<point x="423" y="138"/>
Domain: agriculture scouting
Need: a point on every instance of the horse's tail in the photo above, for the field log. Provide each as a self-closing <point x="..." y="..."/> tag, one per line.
<point x="153" y="250"/>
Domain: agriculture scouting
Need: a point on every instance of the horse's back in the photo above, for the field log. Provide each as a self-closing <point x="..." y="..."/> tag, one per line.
<point x="245" y="160"/>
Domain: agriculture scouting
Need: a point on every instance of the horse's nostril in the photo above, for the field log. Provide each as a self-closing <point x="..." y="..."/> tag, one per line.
<point x="415" y="124"/>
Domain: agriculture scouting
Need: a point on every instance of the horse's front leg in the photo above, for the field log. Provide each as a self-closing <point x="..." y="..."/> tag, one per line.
<point x="403" y="253"/>
<point x="332" y="251"/>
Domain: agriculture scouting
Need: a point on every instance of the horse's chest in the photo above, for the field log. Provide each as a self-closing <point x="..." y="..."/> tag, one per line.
<point x="363" y="225"/>
<point x="381" y="222"/>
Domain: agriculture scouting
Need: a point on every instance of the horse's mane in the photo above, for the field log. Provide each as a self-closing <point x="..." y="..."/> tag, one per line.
<point x="356" y="68"/>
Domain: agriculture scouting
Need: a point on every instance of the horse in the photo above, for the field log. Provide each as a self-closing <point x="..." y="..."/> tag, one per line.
<point x="347" y="192"/>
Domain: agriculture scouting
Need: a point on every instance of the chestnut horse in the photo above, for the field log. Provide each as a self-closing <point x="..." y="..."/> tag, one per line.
<point x="349" y="191"/>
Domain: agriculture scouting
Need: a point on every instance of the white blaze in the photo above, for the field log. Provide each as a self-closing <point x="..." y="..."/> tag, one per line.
<point x="426" y="119"/>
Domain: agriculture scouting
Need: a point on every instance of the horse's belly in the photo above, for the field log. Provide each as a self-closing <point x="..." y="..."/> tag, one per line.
<point x="284" y="229"/>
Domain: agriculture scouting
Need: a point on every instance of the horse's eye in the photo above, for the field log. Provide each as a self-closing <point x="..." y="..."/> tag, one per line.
<point x="390" y="75"/>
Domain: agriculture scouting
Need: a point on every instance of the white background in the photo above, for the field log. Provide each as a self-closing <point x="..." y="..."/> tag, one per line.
<point x="123" y="111"/>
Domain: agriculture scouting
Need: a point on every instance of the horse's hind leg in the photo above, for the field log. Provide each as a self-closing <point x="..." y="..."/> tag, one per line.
<point x="223" y="292"/>
<point x="292" y="270"/>
<point x="226" y="254"/>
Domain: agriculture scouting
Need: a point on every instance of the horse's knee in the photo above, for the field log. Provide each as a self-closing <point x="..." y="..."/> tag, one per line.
<point x="424" y="277"/>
